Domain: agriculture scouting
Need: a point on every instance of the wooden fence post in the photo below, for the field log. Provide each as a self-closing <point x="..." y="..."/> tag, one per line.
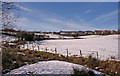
<point x="46" y="49"/>
<point x="38" y="48"/>
<point x="80" y="53"/>
<point x="27" y="46"/>
<point x="32" y="46"/>
<point x="97" y="55"/>
<point x="67" y="52"/>
<point x="55" y="50"/>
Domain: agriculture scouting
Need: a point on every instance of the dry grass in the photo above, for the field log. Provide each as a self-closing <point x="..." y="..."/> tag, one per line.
<point x="77" y="72"/>
<point x="15" y="58"/>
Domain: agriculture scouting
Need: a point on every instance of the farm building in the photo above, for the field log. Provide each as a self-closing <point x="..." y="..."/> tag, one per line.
<point x="89" y="32"/>
<point x="68" y="33"/>
<point x="98" y="32"/>
<point x="106" y="32"/>
<point x="81" y="33"/>
<point x="113" y="32"/>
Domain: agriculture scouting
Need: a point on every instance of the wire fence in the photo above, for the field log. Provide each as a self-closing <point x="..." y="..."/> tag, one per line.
<point x="67" y="53"/>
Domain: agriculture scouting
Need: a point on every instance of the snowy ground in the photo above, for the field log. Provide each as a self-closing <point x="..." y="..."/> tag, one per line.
<point x="8" y="38"/>
<point x="58" y="36"/>
<point x="106" y="46"/>
<point x="50" y="67"/>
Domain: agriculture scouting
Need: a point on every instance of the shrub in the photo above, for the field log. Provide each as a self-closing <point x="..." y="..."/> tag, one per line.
<point x="77" y="72"/>
<point x="24" y="35"/>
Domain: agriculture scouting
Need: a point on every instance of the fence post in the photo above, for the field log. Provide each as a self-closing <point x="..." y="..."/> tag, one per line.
<point x="38" y="48"/>
<point x="27" y="46"/>
<point x="67" y="52"/>
<point x="46" y="49"/>
<point x="80" y="53"/>
<point x="97" y="55"/>
<point x="32" y="46"/>
<point x="55" y="50"/>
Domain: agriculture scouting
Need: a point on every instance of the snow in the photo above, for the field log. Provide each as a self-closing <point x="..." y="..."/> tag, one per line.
<point x="8" y="38"/>
<point x="21" y="53"/>
<point x="58" y="36"/>
<point x="106" y="46"/>
<point x="50" y="67"/>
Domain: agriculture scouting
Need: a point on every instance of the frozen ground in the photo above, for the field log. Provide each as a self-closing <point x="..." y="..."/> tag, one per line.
<point x="8" y="38"/>
<point x="57" y="36"/>
<point x="50" y="67"/>
<point x="106" y="46"/>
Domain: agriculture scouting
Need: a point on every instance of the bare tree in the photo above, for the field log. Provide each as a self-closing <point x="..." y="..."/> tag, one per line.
<point x="10" y="14"/>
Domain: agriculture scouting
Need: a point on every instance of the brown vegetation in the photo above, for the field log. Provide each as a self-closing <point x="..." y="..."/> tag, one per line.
<point x="15" y="58"/>
<point x="77" y="72"/>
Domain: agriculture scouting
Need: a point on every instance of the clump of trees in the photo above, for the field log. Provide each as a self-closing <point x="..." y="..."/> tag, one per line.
<point x="40" y="37"/>
<point x="25" y="36"/>
<point x="77" y="72"/>
<point x="29" y="37"/>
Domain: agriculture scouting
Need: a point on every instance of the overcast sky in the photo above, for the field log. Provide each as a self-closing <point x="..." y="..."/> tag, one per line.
<point x="56" y="16"/>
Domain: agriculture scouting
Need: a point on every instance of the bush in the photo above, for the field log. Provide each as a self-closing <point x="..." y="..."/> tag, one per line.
<point x="24" y="35"/>
<point x="77" y="72"/>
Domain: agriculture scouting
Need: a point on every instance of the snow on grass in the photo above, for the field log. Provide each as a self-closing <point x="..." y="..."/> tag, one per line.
<point x="58" y="36"/>
<point x="8" y="38"/>
<point x="106" y="46"/>
<point x="50" y="67"/>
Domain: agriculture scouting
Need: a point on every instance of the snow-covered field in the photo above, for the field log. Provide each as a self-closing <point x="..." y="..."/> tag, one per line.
<point x="106" y="46"/>
<point x="50" y="67"/>
<point x="8" y="38"/>
<point x="57" y="36"/>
